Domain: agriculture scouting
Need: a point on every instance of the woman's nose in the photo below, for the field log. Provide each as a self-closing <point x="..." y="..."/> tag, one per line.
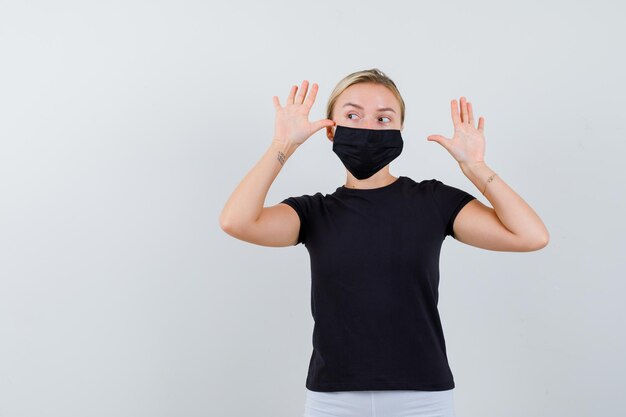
<point x="369" y="123"/>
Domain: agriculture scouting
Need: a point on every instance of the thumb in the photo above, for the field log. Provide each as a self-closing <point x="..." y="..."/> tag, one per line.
<point x="322" y="124"/>
<point x="439" y="139"/>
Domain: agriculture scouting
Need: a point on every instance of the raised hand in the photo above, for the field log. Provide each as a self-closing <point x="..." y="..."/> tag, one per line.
<point x="467" y="145"/>
<point x="292" y="123"/>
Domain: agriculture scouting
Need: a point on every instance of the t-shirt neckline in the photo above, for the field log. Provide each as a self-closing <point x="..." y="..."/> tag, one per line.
<point x="392" y="185"/>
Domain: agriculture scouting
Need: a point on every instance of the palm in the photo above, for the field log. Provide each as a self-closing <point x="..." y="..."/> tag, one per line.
<point x="468" y="142"/>
<point x="292" y="121"/>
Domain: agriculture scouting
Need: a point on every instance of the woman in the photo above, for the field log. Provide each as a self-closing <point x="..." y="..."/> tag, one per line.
<point x="374" y="245"/>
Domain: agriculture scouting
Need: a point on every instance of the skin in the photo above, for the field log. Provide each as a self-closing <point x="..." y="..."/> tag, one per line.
<point x="347" y="112"/>
<point x="509" y="225"/>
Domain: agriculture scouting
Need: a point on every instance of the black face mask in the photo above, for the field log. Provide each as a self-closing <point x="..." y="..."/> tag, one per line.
<point x="365" y="151"/>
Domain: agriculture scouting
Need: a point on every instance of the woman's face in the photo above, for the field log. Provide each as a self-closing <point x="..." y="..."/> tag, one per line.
<point x="366" y="106"/>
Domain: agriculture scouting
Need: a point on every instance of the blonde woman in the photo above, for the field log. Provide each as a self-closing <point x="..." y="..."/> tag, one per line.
<point x="374" y="245"/>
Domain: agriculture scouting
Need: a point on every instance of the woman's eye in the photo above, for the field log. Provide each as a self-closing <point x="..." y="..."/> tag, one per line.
<point x="351" y="114"/>
<point x="384" y="118"/>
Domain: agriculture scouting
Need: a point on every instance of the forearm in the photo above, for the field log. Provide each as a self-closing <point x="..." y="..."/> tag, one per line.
<point x="514" y="213"/>
<point x="246" y="202"/>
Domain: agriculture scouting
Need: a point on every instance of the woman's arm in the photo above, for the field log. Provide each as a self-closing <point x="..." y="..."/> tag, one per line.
<point x="511" y="225"/>
<point x="244" y="215"/>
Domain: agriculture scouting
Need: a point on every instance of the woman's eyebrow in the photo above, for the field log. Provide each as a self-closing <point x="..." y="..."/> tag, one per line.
<point x="360" y="107"/>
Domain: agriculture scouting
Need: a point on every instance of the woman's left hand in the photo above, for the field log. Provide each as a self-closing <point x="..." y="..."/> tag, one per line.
<point x="467" y="145"/>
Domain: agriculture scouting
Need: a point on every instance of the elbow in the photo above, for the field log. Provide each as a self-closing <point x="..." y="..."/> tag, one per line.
<point x="545" y="238"/>
<point x="533" y="242"/>
<point x="229" y="228"/>
<point x="226" y="224"/>
<point x="540" y="242"/>
<point x="226" y="227"/>
<point x="233" y="228"/>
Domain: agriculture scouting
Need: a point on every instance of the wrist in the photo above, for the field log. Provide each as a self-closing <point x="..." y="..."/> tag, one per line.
<point x="472" y="167"/>
<point x="284" y="148"/>
<point x="479" y="174"/>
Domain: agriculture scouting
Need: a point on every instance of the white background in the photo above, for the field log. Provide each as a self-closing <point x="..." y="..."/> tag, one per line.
<point x="125" y="126"/>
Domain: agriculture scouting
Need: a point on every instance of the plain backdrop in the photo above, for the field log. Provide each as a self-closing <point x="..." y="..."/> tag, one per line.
<point x="125" y="126"/>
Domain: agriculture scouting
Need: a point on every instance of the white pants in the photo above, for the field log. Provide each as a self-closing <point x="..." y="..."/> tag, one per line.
<point x="382" y="403"/>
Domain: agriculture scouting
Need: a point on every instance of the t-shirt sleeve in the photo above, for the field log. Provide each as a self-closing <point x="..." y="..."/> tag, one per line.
<point x="449" y="201"/>
<point x="304" y="206"/>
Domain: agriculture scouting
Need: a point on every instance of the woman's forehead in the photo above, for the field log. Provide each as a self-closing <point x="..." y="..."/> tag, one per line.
<point x="367" y="96"/>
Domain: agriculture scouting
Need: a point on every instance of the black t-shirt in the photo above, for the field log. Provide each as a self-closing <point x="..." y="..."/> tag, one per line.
<point x="374" y="257"/>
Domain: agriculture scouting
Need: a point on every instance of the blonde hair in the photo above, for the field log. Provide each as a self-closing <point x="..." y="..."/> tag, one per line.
<point x="373" y="75"/>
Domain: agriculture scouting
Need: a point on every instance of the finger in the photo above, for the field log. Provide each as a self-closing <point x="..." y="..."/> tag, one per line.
<point x="276" y="103"/>
<point x="322" y="123"/>
<point x="439" y="139"/>
<point x="292" y="94"/>
<point x="456" y="119"/>
<point x="470" y="114"/>
<point x="481" y="124"/>
<point x="463" y="109"/>
<point x="302" y="92"/>
<point x="311" y="97"/>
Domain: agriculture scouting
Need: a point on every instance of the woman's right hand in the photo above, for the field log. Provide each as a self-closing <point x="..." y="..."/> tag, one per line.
<point x="292" y="121"/>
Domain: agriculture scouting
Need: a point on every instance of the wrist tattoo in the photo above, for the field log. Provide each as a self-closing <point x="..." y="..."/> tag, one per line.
<point x="281" y="158"/>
